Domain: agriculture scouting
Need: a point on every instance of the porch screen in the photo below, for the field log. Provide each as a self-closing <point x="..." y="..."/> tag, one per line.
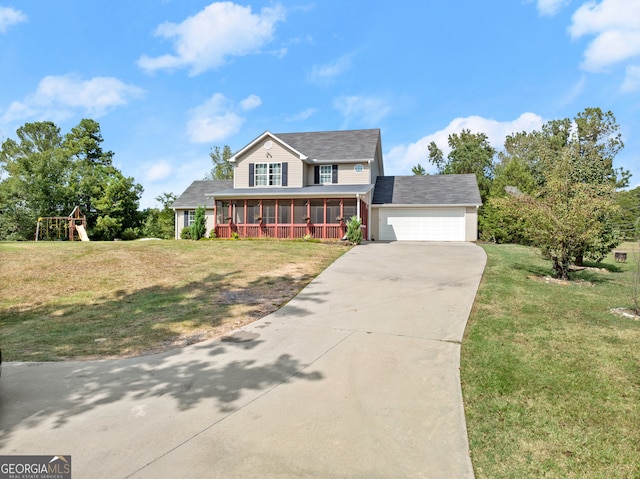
<point x="350" y="208"/>
<point x="317" y="211"/>
<point x="284" y="212"/>
<point x="299" y="211"/>
<point x="238" y="212"/>
<point x="222" y="211"/>
<point x="333" y="211"/>
<point x="253" y="212"/>
<point x="269" y="211"/>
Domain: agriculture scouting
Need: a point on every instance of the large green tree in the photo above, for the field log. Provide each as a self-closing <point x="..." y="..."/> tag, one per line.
<point x="518" y="166"/>
<point x="222" y="169"/>
<point x="43" y="173"/>
<point x="159" y="222"/>
<point x="629" y="218"/>
<point x="564" y="217"/>
<point x="567" y="183"/>
<point x="470" y="153"/>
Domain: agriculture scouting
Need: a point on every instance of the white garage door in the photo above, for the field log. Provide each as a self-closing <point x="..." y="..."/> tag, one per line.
<point x="422" y="224"/>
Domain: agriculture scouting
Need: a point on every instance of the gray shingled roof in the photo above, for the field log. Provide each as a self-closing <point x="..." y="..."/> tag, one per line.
<point x="195" y="194"/>
<point x="427" y="190"/>
<point x="334" y="145"/>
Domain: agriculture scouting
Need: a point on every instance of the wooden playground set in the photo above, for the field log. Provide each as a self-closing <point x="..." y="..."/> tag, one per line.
<point x="61" y="228"/>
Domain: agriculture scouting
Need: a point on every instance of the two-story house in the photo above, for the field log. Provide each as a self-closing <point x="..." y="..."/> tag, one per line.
<point x="294" y="184"/>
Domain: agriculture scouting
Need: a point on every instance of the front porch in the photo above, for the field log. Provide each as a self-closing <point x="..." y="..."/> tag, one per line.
<point x="287" y="218"/>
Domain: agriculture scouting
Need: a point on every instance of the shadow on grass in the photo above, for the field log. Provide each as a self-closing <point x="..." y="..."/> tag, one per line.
<point x="228" y="373"/>
<point x="140" y="322"/>
<point x="612" y="268"/>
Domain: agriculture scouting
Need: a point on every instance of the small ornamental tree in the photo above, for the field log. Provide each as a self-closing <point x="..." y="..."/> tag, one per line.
<point x="354" y="232"/>
<point x="199" y="226"/>
<point x="565" y="215"/>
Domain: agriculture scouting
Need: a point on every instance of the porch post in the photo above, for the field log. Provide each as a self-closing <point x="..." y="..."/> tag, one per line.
<point x="324" y="227"/>
<point x="244" y="215"/>
<point x="292" y="209"/>
<point x="276" y="220"/>
<point x="215" y="215"/>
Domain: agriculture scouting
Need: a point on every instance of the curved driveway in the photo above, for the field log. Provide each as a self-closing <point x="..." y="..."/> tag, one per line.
<point x="357" y="377"/>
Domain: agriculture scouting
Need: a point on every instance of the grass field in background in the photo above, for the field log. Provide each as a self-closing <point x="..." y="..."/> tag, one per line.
<point x="550" y="377"/>
<point x="63" y="300"/>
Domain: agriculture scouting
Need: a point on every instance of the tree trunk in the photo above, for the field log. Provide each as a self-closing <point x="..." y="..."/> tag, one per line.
<point x="561" y="267"/>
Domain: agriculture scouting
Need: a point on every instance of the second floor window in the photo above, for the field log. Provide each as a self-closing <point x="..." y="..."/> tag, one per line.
<point x="326" y="174"/>
<point x="268" y="174"/>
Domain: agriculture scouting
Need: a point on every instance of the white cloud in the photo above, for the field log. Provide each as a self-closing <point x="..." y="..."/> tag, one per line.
<point x="158" y="171"/>
<point x="205" y="40"/>
<point x="616" y="27"/>
<point x="10" y="16"/>
<point x="362" y="109"/>
<point x="303" y="115"/>
<point x="551" y="7"/>
<point x="322" y="74"/>
<point x="401" y="158"/>
<point x="632" y="79"/>
<point x="251" y="102"/>
<point x="59" y="97"/>
<point x="216" y="119"/>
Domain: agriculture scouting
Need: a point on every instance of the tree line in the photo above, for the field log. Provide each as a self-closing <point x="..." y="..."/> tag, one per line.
<point x="44" y="173"/>
<point x="556" y="188"/>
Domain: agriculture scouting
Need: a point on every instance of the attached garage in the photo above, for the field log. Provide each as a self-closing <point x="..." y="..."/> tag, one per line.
<point x="425" y="208"/>
<point x="421" y="224"/>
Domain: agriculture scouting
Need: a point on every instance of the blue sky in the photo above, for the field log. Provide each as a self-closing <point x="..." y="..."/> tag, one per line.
<point x="168" y="80"/>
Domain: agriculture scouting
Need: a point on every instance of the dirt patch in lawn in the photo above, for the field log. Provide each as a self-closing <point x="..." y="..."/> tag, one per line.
<point x="102" y="300"/>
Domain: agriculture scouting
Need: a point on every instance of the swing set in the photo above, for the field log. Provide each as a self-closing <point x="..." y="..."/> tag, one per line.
<point x="61" y="228"/>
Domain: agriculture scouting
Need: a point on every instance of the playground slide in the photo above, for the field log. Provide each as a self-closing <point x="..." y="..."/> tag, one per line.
<point x="82" y="233"/>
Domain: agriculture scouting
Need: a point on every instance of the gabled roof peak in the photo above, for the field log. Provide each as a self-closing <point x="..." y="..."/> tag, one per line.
<point x="325" y="146"/>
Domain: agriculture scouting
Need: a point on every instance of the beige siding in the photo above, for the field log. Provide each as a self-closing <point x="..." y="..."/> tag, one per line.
<point x="471" y="223"/>
<point x="209" y="216"/>
<point x="346" y="174"/>
<point x="375" y="166"/>
<point x="179" y="221"/>
<point x="279" y="154"/>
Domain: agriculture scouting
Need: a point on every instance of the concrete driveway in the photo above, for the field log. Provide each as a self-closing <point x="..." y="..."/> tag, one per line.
<point x="357" y="377"/>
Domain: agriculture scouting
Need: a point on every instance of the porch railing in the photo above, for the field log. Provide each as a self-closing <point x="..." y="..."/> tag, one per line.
<point x="292" y="231"/>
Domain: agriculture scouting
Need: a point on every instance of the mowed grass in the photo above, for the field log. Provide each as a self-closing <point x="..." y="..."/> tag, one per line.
<point x="550" y="377"/>
<point x="63" y="300"/>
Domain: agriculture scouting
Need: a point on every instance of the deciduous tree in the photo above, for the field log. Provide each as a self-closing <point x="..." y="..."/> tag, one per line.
<point x="418" y="170"/>
<point x="470" y="153"/>
<point x="222" y="169"/>
<point x="43" y="173"/>
<point x="565" y="215"/>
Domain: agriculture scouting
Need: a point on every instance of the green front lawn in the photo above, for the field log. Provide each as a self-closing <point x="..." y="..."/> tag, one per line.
<point x="550" y="377"/>
<point x="62" y="300"/>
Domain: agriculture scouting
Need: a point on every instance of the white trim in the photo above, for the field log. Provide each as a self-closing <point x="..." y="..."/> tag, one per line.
<point x="425" y="205"/>
<point x="267" y="133"/>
